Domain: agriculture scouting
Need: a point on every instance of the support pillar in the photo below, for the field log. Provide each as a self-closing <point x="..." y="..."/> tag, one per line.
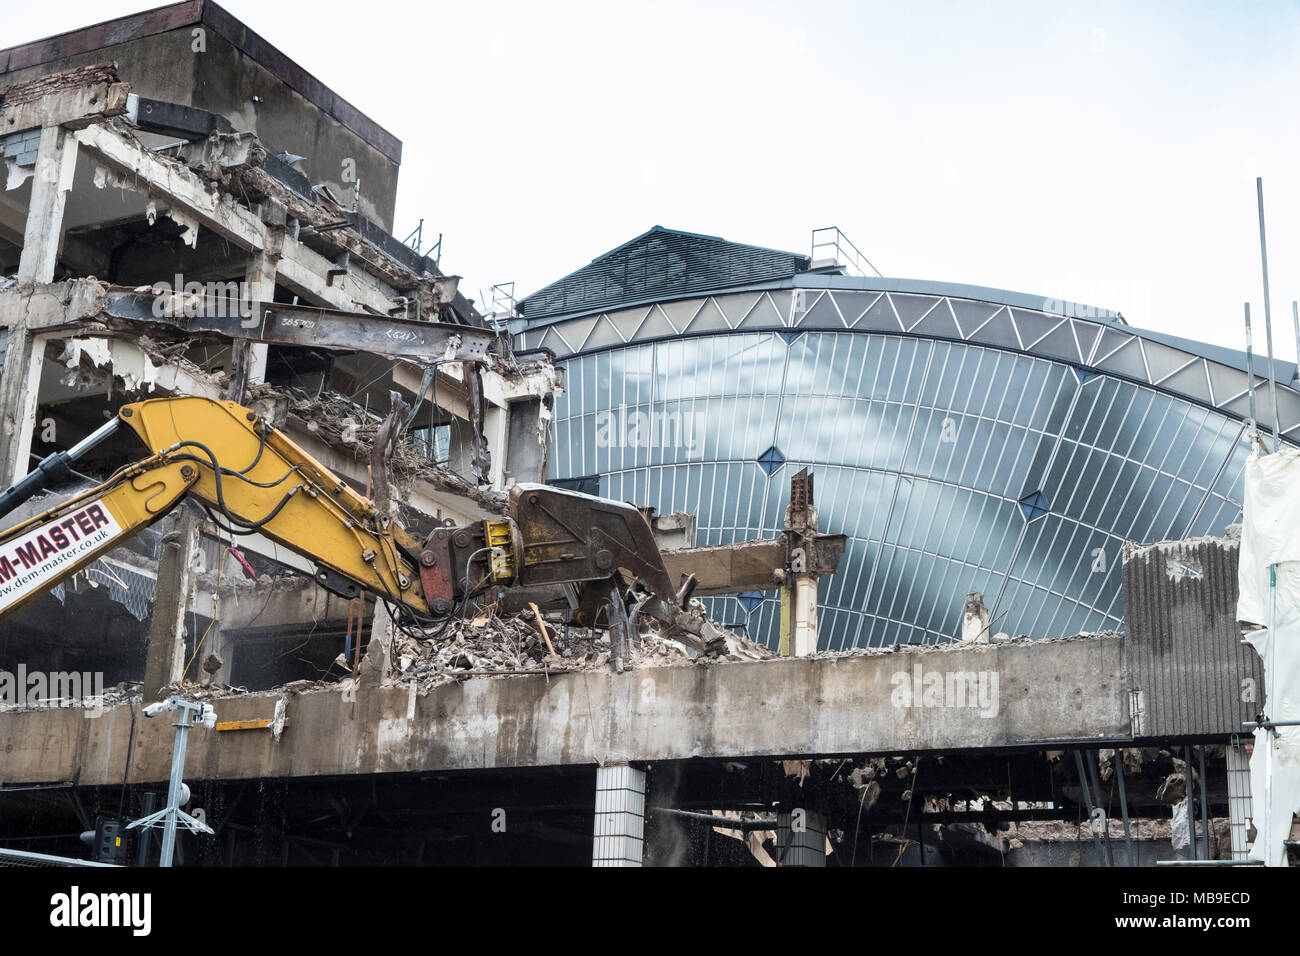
<point x="248" y="358"/>
<point x="496" y="425"/>
<point x="620" y="816"/>
<point x="56" y="162"/>
<point x="805" y="615"/>
<point x="800" y="838"/>
<point x="20" y="381"/>
<point x="799" y="596"/>
<point x="165" y="658"/>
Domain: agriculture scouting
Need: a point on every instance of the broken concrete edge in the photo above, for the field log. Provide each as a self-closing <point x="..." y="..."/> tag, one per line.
<point x="790" y="708"/>
<point x="84" y="305"/>
<point x="74" y="98"/>
<point x="377" y="669"/>
<point x="89" y="95"/>
<point x="1132" y="550"/>
<point x="86" y="99"/>
<point x="101" y="355"/>
<point x="75" y="308"/>
<point x="232" y="164"/>
<point x="59" y="82"/>
<point x="164" y="19"/>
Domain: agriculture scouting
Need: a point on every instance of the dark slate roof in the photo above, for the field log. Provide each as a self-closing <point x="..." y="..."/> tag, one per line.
<point x="658" y="264"/>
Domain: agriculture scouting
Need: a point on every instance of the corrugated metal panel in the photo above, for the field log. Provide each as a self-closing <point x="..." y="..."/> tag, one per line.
<point x="1184" y="657"/>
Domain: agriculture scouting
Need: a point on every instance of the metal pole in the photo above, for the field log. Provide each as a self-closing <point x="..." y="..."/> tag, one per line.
<point x="51" y="470"/>
<point x="1295" y="320"/>
<point x="182" y="726"/>
<point x="1191" y="802"/>
<point x="1123" y="805"/>
<point x="145" y="840"/>
<point x="100" y="434"/>
<point x="1205" y="800"/>
<point x="1087" y="799"/>
<point x="1268" y="313"/>
<point x="172" y="814"/>
<point x="1250" y="376"/>
<point x="1093" y="757"/>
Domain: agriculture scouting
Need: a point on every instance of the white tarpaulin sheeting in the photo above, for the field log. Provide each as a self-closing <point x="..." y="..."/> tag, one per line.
<point x="1270" y="533"/>
<point x="1270" y="536"/>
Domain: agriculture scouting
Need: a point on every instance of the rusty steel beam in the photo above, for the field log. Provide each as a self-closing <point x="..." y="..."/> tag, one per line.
<point x="749" y="565"/>
<point x="279" y="324"/>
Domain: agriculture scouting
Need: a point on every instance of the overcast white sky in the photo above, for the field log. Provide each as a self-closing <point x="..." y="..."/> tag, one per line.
<point x="1103" y="152"/>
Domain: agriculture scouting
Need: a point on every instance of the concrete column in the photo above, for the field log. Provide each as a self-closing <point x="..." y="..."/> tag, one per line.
<point x="1240" y="809"/>
<point x="165" y="658"/>
<point x="377" y="664"/>
<point x="800" y="838"/>
<point x="975" y="620"/>
<point x="799" y="596"/>
<point x="620" y="816"/>
<point x="222" y="643"/>
<point x="799" y="616"/>
<point x="248" y="358"/>
<point x="805" y="615"/>
<point x="19" y="394"/>
<point x="56" y="161"/>
<point x="495" y="426"/>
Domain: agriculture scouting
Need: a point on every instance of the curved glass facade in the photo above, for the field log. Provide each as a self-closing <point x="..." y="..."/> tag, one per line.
<point x="954" y="463"/>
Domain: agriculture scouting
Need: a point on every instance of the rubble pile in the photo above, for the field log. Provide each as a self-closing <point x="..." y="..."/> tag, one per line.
<point x="490" y="644"/>
<point x="347" y="426"/>
<point x="350" y="428"/>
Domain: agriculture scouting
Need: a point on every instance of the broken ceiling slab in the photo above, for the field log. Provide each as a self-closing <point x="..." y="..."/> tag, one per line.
<point x="300" y="268"/>
<point x="133" y="363"/>
<point x="72" y="98"/>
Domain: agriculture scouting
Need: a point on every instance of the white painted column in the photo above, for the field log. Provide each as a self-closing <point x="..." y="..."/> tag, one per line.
<point x="805" y="615"/>
<point x="248" y="358"/>
<point x="56" y="162"/>
<point x="260" y="279"/>
<point x="496" y="425"/>
<point x="800" y="838"/>
<point x="20" y="386"/>
<point x="620" y="816"/>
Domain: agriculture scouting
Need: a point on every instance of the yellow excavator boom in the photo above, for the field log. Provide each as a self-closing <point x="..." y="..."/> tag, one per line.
<point x="251" y="478"/>
<point x="248" y="475"/>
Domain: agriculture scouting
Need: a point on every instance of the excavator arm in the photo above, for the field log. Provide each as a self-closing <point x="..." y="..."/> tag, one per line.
<point x="250" y="477"/>
<point x="49" y="548"/>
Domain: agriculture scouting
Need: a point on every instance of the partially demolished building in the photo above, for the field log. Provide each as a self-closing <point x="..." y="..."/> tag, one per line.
<point x="155" y="249"/>
<point x="188" y="212"/>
